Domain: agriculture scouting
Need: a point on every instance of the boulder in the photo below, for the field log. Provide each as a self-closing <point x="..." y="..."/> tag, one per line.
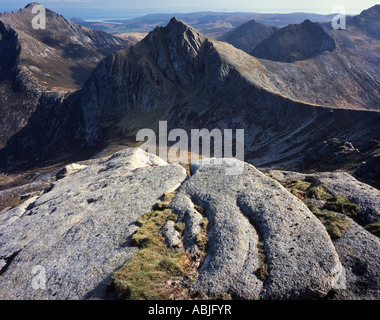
<point x="255" y="225"/>
<point x="76" y="244"/>
<point x="359" y="253"/>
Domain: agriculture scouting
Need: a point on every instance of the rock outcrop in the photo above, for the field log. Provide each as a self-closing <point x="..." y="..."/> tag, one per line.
<point x="370" y="171"/>
<point x="357" y="248"/>
<point x="359" y="254"/>
<point x="344" y="185"/>
<point x="247" y="211"/>
<point x="79" y="231"/>
<point x="259" y="241"/>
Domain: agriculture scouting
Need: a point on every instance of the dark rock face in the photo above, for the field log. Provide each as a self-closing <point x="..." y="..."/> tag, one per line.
<point x="35" y="63"/>
<point x="295" y="43"/>
<point x="332" y="154"/>
<point x="9" y="50"/>
<point x="247" y="36"/>
<point x="369" y="21"/>
<point x="369" y="171"/>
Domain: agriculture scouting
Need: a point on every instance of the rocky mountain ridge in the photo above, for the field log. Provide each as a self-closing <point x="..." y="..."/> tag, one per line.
<point x="36" y="63"/>
<point x="178" y="75"/>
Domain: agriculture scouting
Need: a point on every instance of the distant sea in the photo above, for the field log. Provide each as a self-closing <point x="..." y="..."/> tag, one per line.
<point x="80" y="10"/>
<point x="93" y="14"/>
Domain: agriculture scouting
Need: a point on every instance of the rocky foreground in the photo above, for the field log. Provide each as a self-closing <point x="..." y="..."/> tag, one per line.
<point x="263" y="238"/>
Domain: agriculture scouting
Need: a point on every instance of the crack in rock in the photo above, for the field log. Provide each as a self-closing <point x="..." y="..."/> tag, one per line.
<point x="302" y="261"/>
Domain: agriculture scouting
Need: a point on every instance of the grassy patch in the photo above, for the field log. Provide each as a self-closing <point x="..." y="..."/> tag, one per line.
<point x="156" y="272"/>
<point x="374" y="228"/>
<point x="298" y="188"/>
<point x="339" y="204"/>
<point x="148" y="274"/>
<point x="334" y="224"/>
<point x="263" y="271"/>
<point x="202" y="238"/>
<point x="180" y="227"/>
<point x="318" y="192"/>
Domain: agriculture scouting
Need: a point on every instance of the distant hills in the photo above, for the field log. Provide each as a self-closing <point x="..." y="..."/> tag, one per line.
<point x="211" y="24"/>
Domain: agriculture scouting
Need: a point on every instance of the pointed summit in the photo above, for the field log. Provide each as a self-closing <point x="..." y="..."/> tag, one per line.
<point x="373" y="11"/>
<point x="247" y="36"/>
<point x="31" y="5"/>
<point x="295" y="42"/>
<point x="176" y="22"/>
<point x="178" y="25"/>
<point x="369" y="21"/>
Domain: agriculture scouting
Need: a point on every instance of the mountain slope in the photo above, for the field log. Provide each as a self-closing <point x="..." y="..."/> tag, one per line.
<point x="247" y="36"/>
<point x="179" y="75"/>
<point x="58" y="59"/>
<point x="342" y="74"/>
<point x="369" y="21"/>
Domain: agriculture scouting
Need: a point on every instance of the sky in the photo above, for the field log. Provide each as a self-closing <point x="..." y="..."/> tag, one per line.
<point x="171" y="6"/>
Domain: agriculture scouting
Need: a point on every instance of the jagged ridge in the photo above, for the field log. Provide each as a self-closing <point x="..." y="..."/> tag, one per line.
<point x="177" y="74"/>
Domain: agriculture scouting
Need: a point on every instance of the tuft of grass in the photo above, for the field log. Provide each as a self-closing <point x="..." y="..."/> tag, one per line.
<point x="147" y="274"/>
<point x="167" y="198"/>
<point x="202" y="237"/>
<point x="334" y="224"/>
<point x="156" y="272"/>
<point x="374" y="228"/>
<point x="149" y="235"/>
<point x="318" y="192"/>
<point x="180" y="227"/>
<point x="263" y="271"/>
<point x="298" y="188"/>
<point x="339" y="204"/>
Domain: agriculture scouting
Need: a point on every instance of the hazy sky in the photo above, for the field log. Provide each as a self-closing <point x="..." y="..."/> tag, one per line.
<point x="317" y="6"/>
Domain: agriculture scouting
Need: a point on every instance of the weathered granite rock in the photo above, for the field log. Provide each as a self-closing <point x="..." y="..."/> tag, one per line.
<point x="171" y="235"/>
<point x="359" y="252"/>
<point x="341" y="184"/>
<point x="358" y="249"/>
<point x="243" y="211"/>
<point x="79" y="232"/>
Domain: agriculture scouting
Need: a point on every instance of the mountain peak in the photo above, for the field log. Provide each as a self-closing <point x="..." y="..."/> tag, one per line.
<point x="177" y="24"/>
<point x="307" y="22"/>
<point x="31" y="5"/>
<point x="369" y="21"/>
<point x="295" y="42"/>
<point x="248" y="35"/>
<point x="375" y="10"/>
